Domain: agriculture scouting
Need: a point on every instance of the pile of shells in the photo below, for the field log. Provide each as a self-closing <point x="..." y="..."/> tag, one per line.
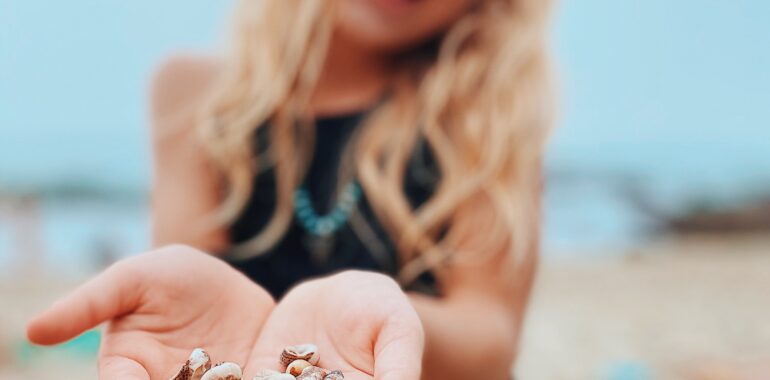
<point x="198" y="367"/>
<point x="299" y="363"/>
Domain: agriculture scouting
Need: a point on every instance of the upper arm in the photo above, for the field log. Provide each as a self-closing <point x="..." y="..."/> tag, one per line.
<point x="497" y="272"/>
<point x="185" y="187"/>
<point x="498" y="280"/>
<point x="485" y="292"/>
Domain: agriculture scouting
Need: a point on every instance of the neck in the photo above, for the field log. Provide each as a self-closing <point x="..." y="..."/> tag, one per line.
<point x="352" y="79"/>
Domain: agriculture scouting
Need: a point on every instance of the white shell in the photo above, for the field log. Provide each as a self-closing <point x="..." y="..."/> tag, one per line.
<point x="224" y="371"/>
<point x="269" y="374"/>
<point x="199" y="363"/>
<point x="195" y="366"/>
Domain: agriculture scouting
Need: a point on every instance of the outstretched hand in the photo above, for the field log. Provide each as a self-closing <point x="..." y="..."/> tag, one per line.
<point x="362" y="323"/>
<point x="159" y="306"/>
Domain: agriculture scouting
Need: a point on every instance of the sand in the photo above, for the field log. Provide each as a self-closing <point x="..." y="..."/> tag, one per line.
<point x="697" y="309"/>
<point x="675" y="310"/>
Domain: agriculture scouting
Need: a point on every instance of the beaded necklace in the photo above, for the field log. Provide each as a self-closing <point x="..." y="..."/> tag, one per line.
<point x="322" y="229"/>
<point x="330" y="223"/>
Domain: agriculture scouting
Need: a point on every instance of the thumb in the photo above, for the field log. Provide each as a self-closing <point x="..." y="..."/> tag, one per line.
<point x="399" y="348"/>
<point x="115" y="292"/>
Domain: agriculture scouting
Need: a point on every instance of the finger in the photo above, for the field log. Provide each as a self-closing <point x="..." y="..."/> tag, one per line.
<point x="119" y="367"/>
<point x="112" y="293"/>
<point x="399" y="347"/>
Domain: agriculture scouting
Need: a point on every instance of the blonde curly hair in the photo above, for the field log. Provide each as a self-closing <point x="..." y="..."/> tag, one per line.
<point x="482" y="104"/>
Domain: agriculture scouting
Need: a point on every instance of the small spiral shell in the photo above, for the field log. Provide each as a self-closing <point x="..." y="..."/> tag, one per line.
<point x="196" y="365"/>
<point x="224" y="371"/>
<point x="307" y="352"/>
<point x="334" y="375"/>
<point x="312" y="373"/>
<point x="296" y="367"/>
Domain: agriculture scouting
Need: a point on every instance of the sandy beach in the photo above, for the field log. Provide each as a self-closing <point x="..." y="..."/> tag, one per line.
<point x="675" y="310"/>
<point x="695" y="309"/>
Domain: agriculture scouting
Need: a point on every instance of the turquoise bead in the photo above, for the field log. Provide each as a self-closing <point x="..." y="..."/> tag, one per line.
<point x="325" y="225"/>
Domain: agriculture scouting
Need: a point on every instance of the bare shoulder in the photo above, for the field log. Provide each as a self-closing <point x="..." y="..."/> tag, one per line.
<point x="185" y="186"/>
<point x="179" y="84"/>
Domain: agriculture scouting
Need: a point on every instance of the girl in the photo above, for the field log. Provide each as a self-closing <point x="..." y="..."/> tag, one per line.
<point x="396" y="136"/>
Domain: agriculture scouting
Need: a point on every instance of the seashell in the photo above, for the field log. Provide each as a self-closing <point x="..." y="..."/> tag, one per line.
<point x="312" y="373"/>
<point x="315" y="369"/>
<point x="308" y="352"/>
<point x="224" y="371"/>
<point x="296" y="367"/>
<point x="197" y="364"/>
<point x="200" y="362"/>
<point x="334" y="375"/>
<point x="310" y="376"/>
<point x="269" y="374"/>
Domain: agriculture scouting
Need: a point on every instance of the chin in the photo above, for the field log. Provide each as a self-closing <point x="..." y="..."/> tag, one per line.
<point x="392" y="26"/>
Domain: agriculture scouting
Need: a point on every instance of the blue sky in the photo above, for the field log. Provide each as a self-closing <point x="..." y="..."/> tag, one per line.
<point x="673" y="89"/>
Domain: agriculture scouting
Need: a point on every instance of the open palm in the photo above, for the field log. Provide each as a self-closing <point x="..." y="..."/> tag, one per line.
<point x="362" y="323"/>
<point x="159" y="306"/>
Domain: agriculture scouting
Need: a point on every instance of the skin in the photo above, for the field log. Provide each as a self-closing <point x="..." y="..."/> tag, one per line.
<point x="382" y="27"/>
<point x="472" y="329"/>
<point x="160" y="305"/>
<point x="157" y="306"/>
<point x="368" y="331"/>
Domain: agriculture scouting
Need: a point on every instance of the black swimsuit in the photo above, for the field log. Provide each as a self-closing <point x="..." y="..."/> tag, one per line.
<point x="291" y="260"/>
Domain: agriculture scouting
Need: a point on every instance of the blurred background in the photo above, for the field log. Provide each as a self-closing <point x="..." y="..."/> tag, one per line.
<point x="657" y="236"/>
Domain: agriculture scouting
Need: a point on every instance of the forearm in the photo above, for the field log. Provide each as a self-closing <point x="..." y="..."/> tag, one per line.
<point x="466" y="338"/>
